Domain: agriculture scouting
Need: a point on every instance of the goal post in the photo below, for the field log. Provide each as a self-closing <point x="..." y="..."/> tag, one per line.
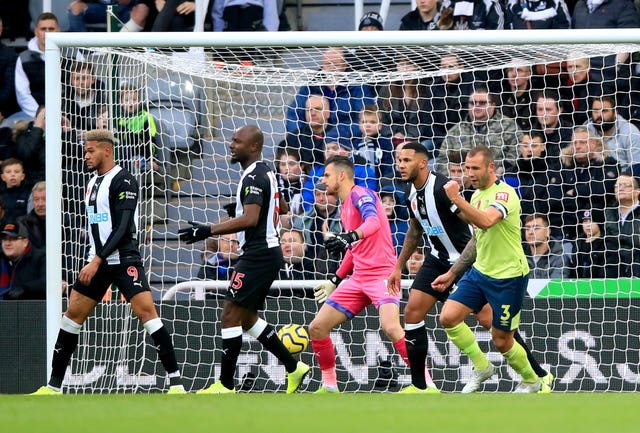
<point x="208" y="84"/>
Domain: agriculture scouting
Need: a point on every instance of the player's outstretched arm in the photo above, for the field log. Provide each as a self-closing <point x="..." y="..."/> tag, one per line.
<point x="197" y="232"/>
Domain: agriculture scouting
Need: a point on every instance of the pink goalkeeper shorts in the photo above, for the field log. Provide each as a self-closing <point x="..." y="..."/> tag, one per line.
<point x="356" y="293"/>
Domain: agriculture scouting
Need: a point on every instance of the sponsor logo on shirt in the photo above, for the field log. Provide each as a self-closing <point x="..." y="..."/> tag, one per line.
<point x="502" y="196"/>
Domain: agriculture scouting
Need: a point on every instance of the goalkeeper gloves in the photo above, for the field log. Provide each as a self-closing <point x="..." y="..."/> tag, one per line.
<point x="341" y="241"/>
<point x="195" y="233"/>
<point x="323" y="290"/>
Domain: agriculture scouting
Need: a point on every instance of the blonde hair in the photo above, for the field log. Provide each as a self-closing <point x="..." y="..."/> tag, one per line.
<point x="100" y="135"/>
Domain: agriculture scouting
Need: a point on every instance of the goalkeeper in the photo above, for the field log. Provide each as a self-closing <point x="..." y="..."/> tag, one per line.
<point x="369" y="258"/>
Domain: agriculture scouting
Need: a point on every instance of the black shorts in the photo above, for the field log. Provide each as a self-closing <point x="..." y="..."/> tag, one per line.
<point x="130" y="280"/>
<point x="431" y="268"/>
<point x="252" y="278"/>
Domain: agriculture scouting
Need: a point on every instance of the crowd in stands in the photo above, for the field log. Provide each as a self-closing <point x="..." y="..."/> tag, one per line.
<point x="567" y="138"/>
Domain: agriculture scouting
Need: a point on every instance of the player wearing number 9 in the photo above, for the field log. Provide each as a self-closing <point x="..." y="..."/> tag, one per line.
<point x="114" y="258"/>
<point x="257" y="223"/>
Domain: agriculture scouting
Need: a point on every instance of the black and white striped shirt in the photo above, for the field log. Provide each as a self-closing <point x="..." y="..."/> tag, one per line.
<point x="431" y="207"/>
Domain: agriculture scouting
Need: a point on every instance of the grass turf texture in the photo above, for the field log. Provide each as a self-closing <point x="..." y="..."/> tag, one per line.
<point x="301" y="413"/>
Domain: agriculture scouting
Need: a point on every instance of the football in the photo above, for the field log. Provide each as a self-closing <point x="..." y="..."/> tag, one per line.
<point x="294" y="337"/>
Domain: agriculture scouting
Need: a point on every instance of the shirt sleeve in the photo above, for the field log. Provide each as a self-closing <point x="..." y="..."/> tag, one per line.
<point x="366" y="206"/>
<point x="254" y="187"/>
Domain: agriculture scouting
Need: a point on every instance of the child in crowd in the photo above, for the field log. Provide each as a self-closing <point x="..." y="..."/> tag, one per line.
<point x="13" y="189"/>
<point x="376" y="150"/>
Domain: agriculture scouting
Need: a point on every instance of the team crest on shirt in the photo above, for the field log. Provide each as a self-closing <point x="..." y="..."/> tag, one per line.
<point x="502" y="196"/>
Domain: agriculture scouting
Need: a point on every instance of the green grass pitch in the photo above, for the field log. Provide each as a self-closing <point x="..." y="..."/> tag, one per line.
<point x="302" y="413"/>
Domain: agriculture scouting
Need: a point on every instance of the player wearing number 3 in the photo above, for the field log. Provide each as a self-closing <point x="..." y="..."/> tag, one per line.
<point x="257" y="222"/>
<point x="114" y="258"/>
<point x="369" y="258"/>
<point x="499" y="275"/>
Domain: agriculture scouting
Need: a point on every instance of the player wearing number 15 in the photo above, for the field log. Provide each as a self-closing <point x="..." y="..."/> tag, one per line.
<point x="114" y="258"/>
<point x="499" y="275"/>
<point x="257" y="222"/>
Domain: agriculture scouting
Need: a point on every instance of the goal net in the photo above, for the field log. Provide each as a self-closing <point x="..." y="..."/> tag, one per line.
<point x="175" y="100"/>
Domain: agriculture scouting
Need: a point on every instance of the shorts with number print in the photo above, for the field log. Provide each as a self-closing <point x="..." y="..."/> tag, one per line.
<point x="130" y="280"/>
<point x="505" y="295"/>
<point x="252" y="278"/>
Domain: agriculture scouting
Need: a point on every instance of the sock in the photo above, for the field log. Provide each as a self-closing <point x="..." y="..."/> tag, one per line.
<point x="326" y="356"/>
<point x="417" y="346"/>
<point x="266" y="335"/>
<point x="65" y="346"/>
<point x="517" y="359"/>
<point x="401" y="348"/>
<point x="131" y="26"/>
<point x="462" y="337"/>
<point x="541" y="372"/>
<point x="231" y="345"/>
<point x="164" y="347"/>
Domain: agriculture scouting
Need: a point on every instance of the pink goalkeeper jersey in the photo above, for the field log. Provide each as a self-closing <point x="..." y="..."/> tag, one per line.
<point x="373" y="255"/>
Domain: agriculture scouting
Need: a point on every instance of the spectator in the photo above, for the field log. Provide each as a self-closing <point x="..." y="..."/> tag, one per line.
<point x="604" y="14"/>
<point x="620" y="137"/>
<point x="532" y="166"/>
<point x="218" y="257"/>
<point x="30" y="147"/>
<point x="537" y="14"/>
<point x="323" y="217"/>
<point x="83" y="101"/>
<point x="133" y="13"/>
<point x="29" y="79"/>
<point x="174" y="16"/>
<point x="548" y="121"/>
<point x="622" y="230"/>
<point x="136" y="132"/>
<point x="245" y="15"/>
<point x="22" y="267"/>
<point x="545" y="255"/>
<point x="516" y="95"/>
<point x="402" y="104"/>
<point x="371" y="21"/>
<point x="428" y="15"/>
<point x="35" y="220"/>
<point x="415" y="262"/>
<point x="579" y="84"/>
<point x="297" y="265"/>
<point x="8" y="103"/>
<point x="3" y="213"/>
<point x="375" y="149"/>
<point x="446" y="100"/>
<point x="454" y="15"/>
<point x="396" y="214"/>
<point x="290" y="180"/>
<point x="309" y="139"/>
<point x="586" y="181"/>
<point x="364" y="174"/>
<point x="485" y="126"/>
<point x="345" y="102"/>
<point x="590" y="255"/>
<point x="13" y="189"/>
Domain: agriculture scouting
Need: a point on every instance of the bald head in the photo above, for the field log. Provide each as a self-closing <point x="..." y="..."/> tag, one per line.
<point x="246" y="145"/>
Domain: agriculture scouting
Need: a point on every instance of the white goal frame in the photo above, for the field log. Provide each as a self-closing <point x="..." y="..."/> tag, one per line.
<point x="55" y="42"/>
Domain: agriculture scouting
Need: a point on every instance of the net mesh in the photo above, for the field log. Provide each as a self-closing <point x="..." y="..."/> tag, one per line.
<point x="174" y="111"/>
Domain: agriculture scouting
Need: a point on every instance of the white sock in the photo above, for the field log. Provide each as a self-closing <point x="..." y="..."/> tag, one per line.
<point x="131" y="26"/>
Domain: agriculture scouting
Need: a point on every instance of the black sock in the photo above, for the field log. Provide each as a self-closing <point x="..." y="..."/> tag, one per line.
<point x="272" y="343"/>
<point x="166" y="353"/>
<point x="417" y="347"/>
<point x="65" y="346"/>
<point x="541" y="372"/>
<point x="230" y="351"/>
